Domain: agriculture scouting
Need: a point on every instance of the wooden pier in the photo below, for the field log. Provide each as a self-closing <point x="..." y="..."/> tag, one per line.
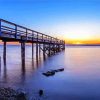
<point x="11" y="32"/>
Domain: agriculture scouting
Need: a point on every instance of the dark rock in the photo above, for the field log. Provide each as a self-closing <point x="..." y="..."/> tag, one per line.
<point x="11" y="94"/>
<point x="41" y="92"/>
<point x="62" y="69"/>
<point x="49" y="73"/>
<point x="52" y="72"/>
<point x="21" y="96"/>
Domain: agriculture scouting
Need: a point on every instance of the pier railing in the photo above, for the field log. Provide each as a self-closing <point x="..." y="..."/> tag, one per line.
<point x="9" y="30"/>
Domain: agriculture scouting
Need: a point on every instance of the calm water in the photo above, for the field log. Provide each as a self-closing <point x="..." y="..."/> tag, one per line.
<point x="79" y="81"/>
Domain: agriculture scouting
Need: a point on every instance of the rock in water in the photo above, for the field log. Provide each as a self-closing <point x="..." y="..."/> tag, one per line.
<point x="41" y="93"/>
<point x="21" y="96"/>
<point x="49" y="73"/>
<point x="62" y="69"/>
<point x="11" y="94"/>
<point x="52" y="72"/>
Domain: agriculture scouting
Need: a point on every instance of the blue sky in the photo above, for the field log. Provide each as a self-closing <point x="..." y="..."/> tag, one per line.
<point x="62" y="18"/>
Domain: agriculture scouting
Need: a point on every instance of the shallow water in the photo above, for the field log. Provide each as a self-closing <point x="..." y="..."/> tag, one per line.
<point x="79" y="81"/>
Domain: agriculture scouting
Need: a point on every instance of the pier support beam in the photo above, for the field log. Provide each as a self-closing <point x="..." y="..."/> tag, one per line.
<point x="37" y="51"/>
<point x="32" y="51"/>
<point x="4" y="52"/>
<point x="49" y="51"/>
<point x="58" y="48"/>
<point x="44" y="52"/>
<point x="23" y="54"/>
<point x="64" y="47"/>
<point x="54" y="49"/>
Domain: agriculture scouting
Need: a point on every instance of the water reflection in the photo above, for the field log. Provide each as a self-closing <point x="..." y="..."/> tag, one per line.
<point x="35" y="64"/>
<point x="23" y="75"/>
<point x="0" y="65"/>
<point x="5" y="72"/>
<point x="79" y="81"/>
<point x="4" y="61"/>
<point x="23" y="69"/>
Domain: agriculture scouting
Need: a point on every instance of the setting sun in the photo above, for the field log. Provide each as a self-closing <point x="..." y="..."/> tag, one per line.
<point x="77" y="43"/>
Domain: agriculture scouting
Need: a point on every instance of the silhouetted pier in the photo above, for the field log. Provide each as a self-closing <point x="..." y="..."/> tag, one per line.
<point x="11" y="32"/>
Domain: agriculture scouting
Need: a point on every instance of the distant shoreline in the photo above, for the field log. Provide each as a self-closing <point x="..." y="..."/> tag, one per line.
<point x="65" y="45"/>
<point x="84" y="45"/>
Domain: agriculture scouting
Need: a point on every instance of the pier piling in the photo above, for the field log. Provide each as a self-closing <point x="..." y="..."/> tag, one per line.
<point x="32" y="51"/>
<point x="4" y="52"/>
<point x="39" y="49"/>
<point x="23" y="53"/>
<point x="36" y="51"/>
<point x="44" y="57"/>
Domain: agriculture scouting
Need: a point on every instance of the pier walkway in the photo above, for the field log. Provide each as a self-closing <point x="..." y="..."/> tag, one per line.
<point x="11" y="32"/>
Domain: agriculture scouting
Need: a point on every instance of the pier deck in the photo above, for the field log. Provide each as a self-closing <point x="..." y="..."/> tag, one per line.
<point x="11" y="32"/>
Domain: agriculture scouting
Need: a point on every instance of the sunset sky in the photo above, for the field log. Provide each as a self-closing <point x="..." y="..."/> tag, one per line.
<point x="76" y="21"/>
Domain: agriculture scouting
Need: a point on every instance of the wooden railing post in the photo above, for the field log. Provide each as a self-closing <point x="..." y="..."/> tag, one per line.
<point x="32" y="36"/>
<point x="37" y="37"/>
<point x="15" y="31"/>
<point x="26" y="33"/>
<point x="42" y="37"/>
<point x="0" y="26"/>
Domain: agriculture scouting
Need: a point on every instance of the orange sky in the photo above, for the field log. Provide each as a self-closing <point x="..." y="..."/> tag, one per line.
<point x="67" y="42"/>
<point x="83" y="41"/>
<point x="12" y="43"/>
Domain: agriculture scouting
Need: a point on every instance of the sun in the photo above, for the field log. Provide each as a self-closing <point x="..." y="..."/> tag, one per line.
<point x="77" y="43"/>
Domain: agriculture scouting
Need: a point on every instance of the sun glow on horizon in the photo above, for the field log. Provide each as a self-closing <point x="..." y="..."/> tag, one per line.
<point x="77" y="43"/>
<point x="82" y="32"/>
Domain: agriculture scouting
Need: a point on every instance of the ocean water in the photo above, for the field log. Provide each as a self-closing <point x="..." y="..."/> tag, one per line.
<point x="79" y="81"/>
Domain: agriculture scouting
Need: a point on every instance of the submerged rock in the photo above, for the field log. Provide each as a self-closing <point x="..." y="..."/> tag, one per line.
<point x="49" y="73"/>
<point x="7" y="92"/>
<point x="21" y="96"/>
<point x="58" y="70"/>
<point x="41" y="93"/>
<point x="52" y="72"/>
<point x="11" y="94"/>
